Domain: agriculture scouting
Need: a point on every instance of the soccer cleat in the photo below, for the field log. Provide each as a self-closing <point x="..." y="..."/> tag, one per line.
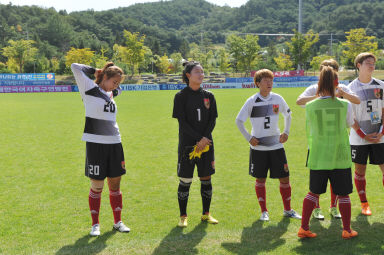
<point x="317" y="214"/>
<point x="292" y="214"/>
<point x="95" y="231"/>
<point x="208" y="218"/>
<point x="335" y="213"/>
<point x="349" y="235"/>
<point x="183" y="223"/>
<point x="264" y="216"/>
<point x="365" y="209"/>
<point x="306" y="233"/>
<point x="120" y="226"/>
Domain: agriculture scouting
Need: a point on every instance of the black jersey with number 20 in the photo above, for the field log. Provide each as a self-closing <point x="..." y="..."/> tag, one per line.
<point x="196" y="112"/>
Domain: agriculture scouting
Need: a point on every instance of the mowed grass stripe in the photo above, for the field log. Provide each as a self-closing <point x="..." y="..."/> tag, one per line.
<point x="44" y="203"/>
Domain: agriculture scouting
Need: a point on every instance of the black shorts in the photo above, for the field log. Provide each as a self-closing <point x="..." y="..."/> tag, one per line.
<point x="261" y="161"/>
<point x="205" y="164"/>
<point x="104" y="160"/>
<point x="375" y="152"/>
<point x="341" y="181"/>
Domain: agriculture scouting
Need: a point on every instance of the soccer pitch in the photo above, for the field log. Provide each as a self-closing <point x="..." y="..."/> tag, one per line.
<point x="44" y="193"/>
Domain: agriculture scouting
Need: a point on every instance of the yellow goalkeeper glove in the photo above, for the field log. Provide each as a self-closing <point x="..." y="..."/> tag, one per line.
<point x="195" y="154"/>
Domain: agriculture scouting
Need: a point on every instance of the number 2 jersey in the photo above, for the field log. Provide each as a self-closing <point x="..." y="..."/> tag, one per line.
<point x="196" y="112"/>
<point x="100" y="108"/>
<point x="368" y="113"/>
<point x="264" y="117"/>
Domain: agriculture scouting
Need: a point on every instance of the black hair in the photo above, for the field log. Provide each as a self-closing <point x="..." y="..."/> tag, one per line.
<point x="188" y="66"/>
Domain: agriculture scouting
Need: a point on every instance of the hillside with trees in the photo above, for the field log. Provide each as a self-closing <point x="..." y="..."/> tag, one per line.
<point x="191" y="28"/>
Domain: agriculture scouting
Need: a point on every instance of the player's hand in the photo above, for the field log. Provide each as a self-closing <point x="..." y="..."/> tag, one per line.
<point x="378" y="137"/>
<point x="97" y="72"/>
<point x="283" y="138"/>
<point x="340" y="92"/>
<point x="371" y="137"/>
<point x="254" y="141"/>
<point x="202" y="143"/>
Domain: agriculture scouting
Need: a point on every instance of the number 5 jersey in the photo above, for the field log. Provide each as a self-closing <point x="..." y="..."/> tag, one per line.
<point x="368" y="113"/>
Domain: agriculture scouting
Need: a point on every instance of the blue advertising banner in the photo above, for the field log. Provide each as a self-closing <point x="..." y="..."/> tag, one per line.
<point x="29" y="79"/>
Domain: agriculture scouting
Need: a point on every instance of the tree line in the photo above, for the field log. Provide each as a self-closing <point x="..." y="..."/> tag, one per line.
<point x="155" y="37"/>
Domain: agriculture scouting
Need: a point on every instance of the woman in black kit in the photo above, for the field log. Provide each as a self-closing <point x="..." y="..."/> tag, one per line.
<point x="195" y="109"/>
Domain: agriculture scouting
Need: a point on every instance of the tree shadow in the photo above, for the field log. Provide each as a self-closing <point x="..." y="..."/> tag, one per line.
<point x="329" y="241"/>
<point x="87" y="244"/>
<point x="176" y="242"/>
<point x="256" y="239"/>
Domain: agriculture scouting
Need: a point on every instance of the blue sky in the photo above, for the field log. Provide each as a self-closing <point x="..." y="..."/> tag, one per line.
<point x="76" y="5"/>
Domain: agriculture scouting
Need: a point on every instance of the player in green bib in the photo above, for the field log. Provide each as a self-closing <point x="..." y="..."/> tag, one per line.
<point x="327" y="122"/>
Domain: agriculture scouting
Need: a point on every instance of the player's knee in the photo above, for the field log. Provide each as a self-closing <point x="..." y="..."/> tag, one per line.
<point x="185" y="180"/>
<point x="206" y="178"/>
<point x="97" y="186"/>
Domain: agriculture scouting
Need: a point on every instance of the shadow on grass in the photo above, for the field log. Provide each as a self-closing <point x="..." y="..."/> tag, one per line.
<point x="329" y="241"/>
<point x="87" y="245"/>
<point x="256" y="239"/>
<point x="176" y="242"/>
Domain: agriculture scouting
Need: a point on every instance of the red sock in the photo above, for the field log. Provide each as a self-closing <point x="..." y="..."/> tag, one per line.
<point x="360" y="187"/>
<point x="345" y="211"/>
<point x="333" y="197"/>
<point x="260" y="193"/>
<point x="309" y="203"/>
<point x="116" y="200"/>
<point x="285" y="191"/>
<point x="383" y="180"/>
<point x="94" y="199"/>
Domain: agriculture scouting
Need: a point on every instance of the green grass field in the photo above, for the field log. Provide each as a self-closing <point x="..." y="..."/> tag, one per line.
<point x="44" y="193"/>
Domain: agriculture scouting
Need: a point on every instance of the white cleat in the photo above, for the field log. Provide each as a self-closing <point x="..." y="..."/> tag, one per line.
<point x="120" y="226"/>
<point x="292" y="214"/>
<point x="95" y="231"/>
<point x="264" y="216"/>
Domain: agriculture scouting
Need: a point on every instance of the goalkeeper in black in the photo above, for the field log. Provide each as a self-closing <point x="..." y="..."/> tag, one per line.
<point x="195" y="109"/>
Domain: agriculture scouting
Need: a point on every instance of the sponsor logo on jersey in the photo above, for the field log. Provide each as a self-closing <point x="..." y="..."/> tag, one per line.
<point x="377" y="93"/>
<point x="123" y="164"/>
<point x="275" y="108"/>
<point x="207" y="103"/>
<point x="286" y="168"/>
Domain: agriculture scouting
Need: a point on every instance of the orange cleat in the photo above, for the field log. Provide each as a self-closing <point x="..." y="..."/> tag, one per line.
<point x="365" y="210"/>
<point x="305" y="233"/>
<point x="349" y="235"/>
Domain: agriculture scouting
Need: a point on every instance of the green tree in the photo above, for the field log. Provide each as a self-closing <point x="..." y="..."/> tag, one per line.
<point x="163" y="64"/>
<point x="177" y="59"/>
<point x="300" y="47"/>
<point x="223" y="60"/>
<point x="316" y="61"/>
<point x="148" y="59"/>
<point x="134" y="43"/>
<point x="99" y="60"/>
<point x="356" y="43"/>
<point x="244" y="51"/>
<point x="283" y="62"/>
<point x="20" y="52"/>
<point x="81" y="56"/>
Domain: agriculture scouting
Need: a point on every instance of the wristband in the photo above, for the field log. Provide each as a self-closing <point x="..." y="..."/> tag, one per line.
<point x="360" y="133"/>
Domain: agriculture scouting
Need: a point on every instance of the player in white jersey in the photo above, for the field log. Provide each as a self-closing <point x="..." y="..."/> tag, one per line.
<point x="366" y="137"/>
<point x="266" y="142"/>
<point x="310" y="94"/>
<point x="104" y="152"/>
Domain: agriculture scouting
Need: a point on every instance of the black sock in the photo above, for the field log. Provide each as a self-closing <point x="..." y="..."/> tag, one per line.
<point x="206" y="194"/>
<point x="182" y="195"/>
